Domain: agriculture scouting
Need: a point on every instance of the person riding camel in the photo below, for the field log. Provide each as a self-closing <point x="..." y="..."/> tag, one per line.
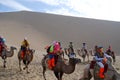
<point x="84" y="48"/>
<point x="52" y="51"/>
<point x="2" y="44"/>
<point x="100" y="58"/>
<point x="24" y="47"/>
<point x="109" y="50"/>
<point x="111" y="53"/>
<point x="71" y="50"/>
<point x="71" y="46"/>
<point x="95" y="49"/>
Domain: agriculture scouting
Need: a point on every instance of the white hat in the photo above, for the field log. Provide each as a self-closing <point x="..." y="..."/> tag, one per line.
<point x="25" y="38"/>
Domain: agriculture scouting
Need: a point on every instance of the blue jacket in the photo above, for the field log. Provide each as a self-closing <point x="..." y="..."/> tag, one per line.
<point x="99" y="58"/>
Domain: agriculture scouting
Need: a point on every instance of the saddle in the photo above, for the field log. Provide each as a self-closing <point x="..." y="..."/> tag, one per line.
<point x="24" y="52"/>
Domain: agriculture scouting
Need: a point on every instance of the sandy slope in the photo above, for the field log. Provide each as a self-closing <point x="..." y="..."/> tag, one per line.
<point x="41" y="29"/>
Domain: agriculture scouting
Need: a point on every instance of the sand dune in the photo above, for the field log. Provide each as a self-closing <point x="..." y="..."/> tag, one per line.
<point x="41" y="29"/>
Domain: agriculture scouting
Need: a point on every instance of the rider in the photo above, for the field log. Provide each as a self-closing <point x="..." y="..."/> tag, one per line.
<point x="71" y="50"/>
<point x="95" y="49"/>
<point x="84" y="48"/>
<point x="52" y="50"/>
<point x="2" y="44"/>
<point x="109" y="50"/>
<point x="24" y="47"/>
<point x="101" y="58"/>
<point x="111" y="53"/>
<point x="71" y="46"/>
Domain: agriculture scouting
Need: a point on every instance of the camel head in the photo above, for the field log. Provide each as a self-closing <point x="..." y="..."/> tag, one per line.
<point x="32" y="51"/>
<point x="75" y="60"/>
<point x="13" y="48"/>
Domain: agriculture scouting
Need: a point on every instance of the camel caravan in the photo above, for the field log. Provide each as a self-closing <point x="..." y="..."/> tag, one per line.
<point x="64" y="61"/>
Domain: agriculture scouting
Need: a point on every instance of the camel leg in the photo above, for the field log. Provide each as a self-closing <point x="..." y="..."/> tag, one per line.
<point x="25" y="63"/>
<point x="61" y="74"/>
<point x="88" y="57"/>
<point x="27" y="69"/>
<point x="4" y="63"/>
<point x="44" y="69"/>
<point x="63" y="55"/>
<point x="114" y="60"/>
<point x="20" y="65"/>
<point x="57" y="75"/>
<point x="27" y="66"/>
<point x="83" y="59"/>
<point x="83" y="56"/>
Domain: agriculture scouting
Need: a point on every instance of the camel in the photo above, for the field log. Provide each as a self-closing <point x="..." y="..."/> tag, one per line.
<point x="5" y="54"/>
<point x="84" y="54"/>
<point x="26" y="60"/>
<point x="60" y="67"/>
<point x="110" y="74"/>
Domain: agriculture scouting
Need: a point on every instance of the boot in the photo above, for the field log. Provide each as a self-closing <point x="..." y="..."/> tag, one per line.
<point x="53" y="62"/>
<point x="101" y="74"/>
<point x="49" y="64"/>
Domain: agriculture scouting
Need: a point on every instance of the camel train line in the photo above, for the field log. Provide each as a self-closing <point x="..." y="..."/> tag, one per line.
<point x="60" y="66"/>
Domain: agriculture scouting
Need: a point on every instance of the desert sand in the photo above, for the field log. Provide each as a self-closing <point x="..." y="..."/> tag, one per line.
<point x="41" y="29"/>
<point x="12" y="71"/>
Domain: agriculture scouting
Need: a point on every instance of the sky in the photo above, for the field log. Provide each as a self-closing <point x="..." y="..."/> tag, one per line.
<point x="96" y="9"/>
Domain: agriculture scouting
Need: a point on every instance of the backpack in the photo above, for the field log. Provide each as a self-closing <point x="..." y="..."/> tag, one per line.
<point x="51" y="49"/>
